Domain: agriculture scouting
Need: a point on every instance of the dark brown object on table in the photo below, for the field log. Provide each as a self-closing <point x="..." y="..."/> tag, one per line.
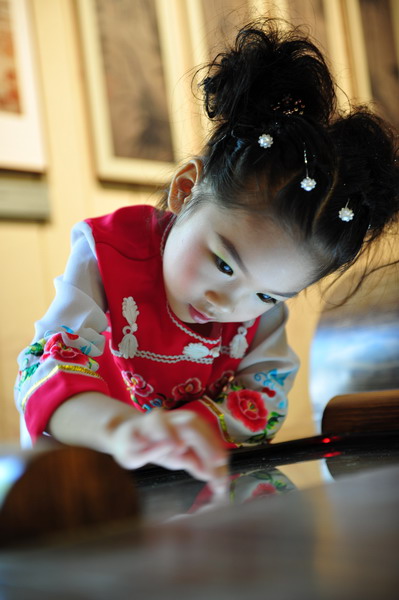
<point x="369" y="412"/>
<point x="61" y="489"/>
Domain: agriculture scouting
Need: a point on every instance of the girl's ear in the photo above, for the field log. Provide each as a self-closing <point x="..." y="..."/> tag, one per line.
<point x="182" y="184"/>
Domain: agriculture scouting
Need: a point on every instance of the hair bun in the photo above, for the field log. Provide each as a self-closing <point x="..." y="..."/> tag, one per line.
<point x="366" y="148"/>
<point x="245" y="84"/>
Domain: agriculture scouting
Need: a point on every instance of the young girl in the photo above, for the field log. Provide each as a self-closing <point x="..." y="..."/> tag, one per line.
<point x="165" y="342"/>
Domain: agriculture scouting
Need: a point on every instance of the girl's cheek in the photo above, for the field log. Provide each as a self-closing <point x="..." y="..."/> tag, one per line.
<point x="192" y="267"/>
<point x="191" y="259"/>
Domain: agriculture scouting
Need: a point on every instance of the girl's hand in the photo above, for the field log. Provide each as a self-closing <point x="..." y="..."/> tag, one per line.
<point x="174" y="440"/>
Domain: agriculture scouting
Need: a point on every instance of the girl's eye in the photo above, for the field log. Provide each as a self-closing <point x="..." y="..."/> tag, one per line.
<point x="223" y="266"/>
<point x="267" y="299"/>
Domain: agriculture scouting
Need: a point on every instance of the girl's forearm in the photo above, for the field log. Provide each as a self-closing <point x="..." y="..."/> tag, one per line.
<point x="89" y="419"/>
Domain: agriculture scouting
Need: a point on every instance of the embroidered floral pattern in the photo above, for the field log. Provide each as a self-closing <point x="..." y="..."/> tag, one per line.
<point x="272" y="378"/>
<point x="218" y="386"/>
<point x="248" y="407"/>
<point x="76" y="341"/>
<point x="70" y="339"/>
<point x="24" y="374"/>
<point x="30" y="364"/>
<point x="37" y="348"/>
<point x="144" y="397"/>
<point x="189" y="390"/>
<point x="269" y="392"/>
<point x="273" y="423"/>
<point x="136" y="384"/>
<point x="56" y="348"/>
<point x="151" y="404"/>
<point x="142" y="393"/>
<point x="170" y="403"/>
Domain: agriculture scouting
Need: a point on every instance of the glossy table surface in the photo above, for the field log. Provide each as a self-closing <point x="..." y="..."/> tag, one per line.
<point x="308" y="519"/>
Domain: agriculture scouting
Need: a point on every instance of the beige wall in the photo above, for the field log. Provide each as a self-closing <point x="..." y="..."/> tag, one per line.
<point x="33" y="254"/>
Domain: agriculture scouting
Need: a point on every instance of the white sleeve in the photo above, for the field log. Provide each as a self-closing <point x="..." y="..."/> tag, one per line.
<point x="66" y="338"/>
<point x="269" y="352"/>
<point x="79" y="303"/>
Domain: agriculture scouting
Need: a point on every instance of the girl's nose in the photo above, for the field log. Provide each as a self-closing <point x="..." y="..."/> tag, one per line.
<point x="222" y="302"/>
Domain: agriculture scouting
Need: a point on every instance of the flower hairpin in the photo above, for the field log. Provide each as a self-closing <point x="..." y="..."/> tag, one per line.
<point x="307" y="183"/>
<point x="288" y="106"/>
<point x="265" y="140"/>
<point x="346" y="213"/>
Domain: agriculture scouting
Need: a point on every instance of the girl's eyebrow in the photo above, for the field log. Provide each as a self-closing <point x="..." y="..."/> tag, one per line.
<point x="232" y="250"/>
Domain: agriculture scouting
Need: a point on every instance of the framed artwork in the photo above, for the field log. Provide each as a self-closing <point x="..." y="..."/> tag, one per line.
<point x="375" y="56"/>
<point x="324" y="21"/>
<point x="212" y="27"/>
<point x="311" y="16"/>
<point x="128" y="85"/>
<point x="21" y="133"/>
<point x="364" y="61"/>
<point x="214" y="24"/>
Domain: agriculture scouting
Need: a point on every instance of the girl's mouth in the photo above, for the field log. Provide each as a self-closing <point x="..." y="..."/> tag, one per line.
<point x="198" y="316"/>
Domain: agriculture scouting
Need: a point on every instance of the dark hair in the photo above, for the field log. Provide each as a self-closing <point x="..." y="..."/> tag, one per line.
<point x="276" y="81"/>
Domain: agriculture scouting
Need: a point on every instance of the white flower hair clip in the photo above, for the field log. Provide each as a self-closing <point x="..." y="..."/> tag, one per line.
<point x="307" y="183"/>
<point x="265" y="140"/>
<point x="346" y="213"/>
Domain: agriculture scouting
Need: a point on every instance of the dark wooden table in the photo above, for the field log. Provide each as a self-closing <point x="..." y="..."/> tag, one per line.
<point x="335" y="540"/>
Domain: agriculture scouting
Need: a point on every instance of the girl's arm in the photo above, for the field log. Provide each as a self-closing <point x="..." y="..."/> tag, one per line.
<point x="253" y="403"/>
<point x="61" y="359"/>
<point x="175" y="440"/>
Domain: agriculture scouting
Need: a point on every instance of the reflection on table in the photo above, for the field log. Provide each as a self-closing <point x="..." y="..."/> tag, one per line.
<point x="262" y="473"/>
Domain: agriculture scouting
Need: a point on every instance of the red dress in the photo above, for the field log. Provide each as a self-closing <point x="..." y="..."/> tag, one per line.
<point x="129" y="345"/>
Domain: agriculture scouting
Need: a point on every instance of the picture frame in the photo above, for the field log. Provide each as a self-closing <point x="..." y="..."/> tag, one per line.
<point x="375" y="58"/>
<point x="22" y="145"/>
<point x="136" y="135"/>
<point x="324" y="21"/>
<point x="211" y="26"/>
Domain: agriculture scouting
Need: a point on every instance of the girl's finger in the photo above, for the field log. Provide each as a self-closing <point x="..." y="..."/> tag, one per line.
<point x="210" y="456"/>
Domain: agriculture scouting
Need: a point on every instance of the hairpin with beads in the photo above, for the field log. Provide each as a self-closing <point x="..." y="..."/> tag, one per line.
<point x="307" y="183"/>
<point x="346" y="213"/>
<point x="288" y="106"/>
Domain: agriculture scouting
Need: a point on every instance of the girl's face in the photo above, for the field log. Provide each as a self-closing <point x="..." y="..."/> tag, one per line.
<point x="222" y="265"/>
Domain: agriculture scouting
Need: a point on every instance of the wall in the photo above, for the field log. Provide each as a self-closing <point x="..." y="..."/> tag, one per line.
<point x="34" y="253"/>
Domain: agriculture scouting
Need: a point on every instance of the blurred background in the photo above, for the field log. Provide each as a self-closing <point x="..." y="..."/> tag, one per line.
<point x="97" y="106"/>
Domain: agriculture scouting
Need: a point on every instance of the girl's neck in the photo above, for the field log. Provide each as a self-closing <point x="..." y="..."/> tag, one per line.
<point x="206" y="329"/>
